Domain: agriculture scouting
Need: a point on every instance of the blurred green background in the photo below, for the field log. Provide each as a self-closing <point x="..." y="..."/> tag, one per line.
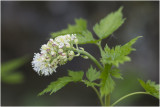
<point x="27" y="25"/>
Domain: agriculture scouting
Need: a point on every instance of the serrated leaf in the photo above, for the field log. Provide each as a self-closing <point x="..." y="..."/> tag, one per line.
<point x="80" y="25"/>
<point x="89" y="83"/>
<point x="56" y="85"/>
<point x="114" y="56"/>
<point x="85" y="37"/>
<point x="80" y="29"/>
<point x="63" y="81"/>
<point x="92" y="74"/>
<point x="107" y="83"/>
<point x="118" y="54"/>
<point x="115" y="73"/>
<point x="76" y="76"/>
<point x="109" y="24"/>
<point x="151" y="87"/>
<point x="107" y="86"/>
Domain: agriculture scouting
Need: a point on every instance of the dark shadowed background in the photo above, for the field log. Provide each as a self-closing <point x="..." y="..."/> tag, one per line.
<point x="27" y="25"/>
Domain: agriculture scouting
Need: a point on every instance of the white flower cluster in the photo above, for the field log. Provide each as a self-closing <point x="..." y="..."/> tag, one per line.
<point x="53" y="54"/>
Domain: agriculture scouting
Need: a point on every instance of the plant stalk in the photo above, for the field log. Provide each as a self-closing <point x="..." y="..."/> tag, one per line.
<point x="98" y="94"/>
<point x="128" y="96"/>
<point x="107" y="100"/>
<point x="98" y="65"/>
<point x="89" y="56"/>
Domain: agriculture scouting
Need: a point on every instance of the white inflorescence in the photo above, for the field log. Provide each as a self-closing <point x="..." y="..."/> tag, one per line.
<point x="53" y="54"/>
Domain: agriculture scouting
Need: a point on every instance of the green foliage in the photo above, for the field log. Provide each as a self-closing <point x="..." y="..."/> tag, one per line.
<point x="107" y="83"/>
<point x="7" y="71"/>
<point x="61" y="82"/>
<point x="115" y="73"/>
<point x="110" y="57"/>
<point x="76" y="76"/>
<point x="14" y="78"/>
<point x="13" y="64"/>
<point x="109" y="24"/>
<point x="89" y="83"/>
<point x="118" y="54"/>
<point x="80" y="29"/>
<point x="81" y="25"/>
<point x="56" y="85"/>
<point x="92" y="74"/>
<point x="151" y="87"/>
<point x="86" y="37"/>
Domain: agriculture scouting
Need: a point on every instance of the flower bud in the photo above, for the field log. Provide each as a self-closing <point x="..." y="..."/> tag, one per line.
<point x="64" y="54"/>
<point x="71" y="53"/>
<point x="60" y="51"/>
<point x="53" y="63"/>
<point x="85" y="57"/>
<point x="76" y="41"/>
<point x="45" y="47"/>
<point x="61" y="45"/>
<point x="68" y="45"/>
<point x="53" y="53"/>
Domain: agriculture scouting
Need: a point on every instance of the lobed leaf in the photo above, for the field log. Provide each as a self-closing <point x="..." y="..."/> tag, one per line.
<point x="89" y="83"/>
<point x="86" y="37"/>
<point x="63" y="81"/>
<point x="109" y="24"/>
<point x="81" y="25"/>
<point x="151" y="87"/>
<point x="80" y="29"/>
<point x="107" y="83"/>
<point x="118" y="54"/>
<point x="76" y="76"/>
<point x="56" y="85"/>
<point x="92" y="74"/>
<point x="115" y="73"/>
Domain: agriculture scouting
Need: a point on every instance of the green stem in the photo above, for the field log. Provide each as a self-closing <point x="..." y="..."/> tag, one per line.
<point x="98" y="94"/>
<point x="107" y="100"/>
<point x="128" y="96"/>
<point x="98" y="65"/>
<point x="100" y="47"/>
<point x="91" y="57"/>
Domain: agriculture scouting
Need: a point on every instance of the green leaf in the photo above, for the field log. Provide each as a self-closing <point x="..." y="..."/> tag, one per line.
<point x="114" y="56"/>
<point x="8" y="75"/>
<point x="109" y="24"/>
<point x="56" y="85"/>
<point x="118" y="54"/>
<point x="107" y="86"/>
<point x="92" y="74"/>
<point x="13" y="64"/>
<point x="89" y="83"/>
<point x="81" y="25"/>
<point x="85" y="37"/>
<point x="76" y="76"/>
<point x="63" y="81"/>
<point x="115" y="73"/>
<point x="107" y="83"/>
<point x="14" y="78"/>
<point x="80" y="29"/>
<point x="151" y="87"/>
